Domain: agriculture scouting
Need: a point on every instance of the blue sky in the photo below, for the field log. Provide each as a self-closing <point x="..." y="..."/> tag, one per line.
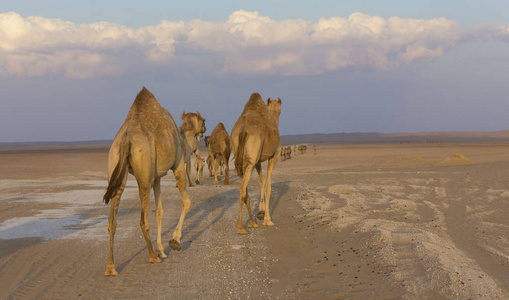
<point x="70" y="70"/>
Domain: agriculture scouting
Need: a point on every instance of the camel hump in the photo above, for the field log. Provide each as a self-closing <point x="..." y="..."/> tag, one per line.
<point x="221" y="126"/>
<point x="255" y="96"/>
<point x="144" y="94"/>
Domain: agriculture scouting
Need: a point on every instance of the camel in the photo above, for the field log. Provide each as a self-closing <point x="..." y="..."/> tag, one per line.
<point x="314" y="149"/>
<point x="288" y="152"/>
<point x="219" y="146"/>
<point x="255" y="138"/>
<point x="147" y="145"/>
<point x="283" y="153"/>
<point x="192" y="129"/>
<point x="294" y="149"/>
<point x="198" y="164"/>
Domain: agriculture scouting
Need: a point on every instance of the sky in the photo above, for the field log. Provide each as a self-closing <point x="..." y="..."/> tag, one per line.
<point x="70" y="70"/>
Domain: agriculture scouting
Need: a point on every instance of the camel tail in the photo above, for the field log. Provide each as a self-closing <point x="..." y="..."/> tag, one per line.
<point x="120" y="171"/>
<point x="239" y="155"/>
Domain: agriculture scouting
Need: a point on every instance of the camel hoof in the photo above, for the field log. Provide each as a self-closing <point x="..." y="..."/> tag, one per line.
<point x="268" y="223"/>
<point x="197" y="182"/>
<point x="252" y="225"/>
<point x="175" y="245"/>
<point x="226" y="183"/>
<point x="162" y="255"/>
<point x="111" y="272"/>
<point x="260" y="215"/>
<point x="242" y="231"/>
<point x="155" y="260"/>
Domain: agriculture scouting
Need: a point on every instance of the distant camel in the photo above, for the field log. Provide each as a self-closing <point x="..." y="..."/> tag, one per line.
<point x="283" y="153"/>
<point x="147" y="145"/>
<point x="198" y="165"/>
<point x="209" y="161"/>
<point x="192" y="129"/>
<point x="255" y="138"/>
<point x="289" y="152"/>
<point x="219" y="145"/>
<point x="314" y="149"/>
<point x="295" y="150"/>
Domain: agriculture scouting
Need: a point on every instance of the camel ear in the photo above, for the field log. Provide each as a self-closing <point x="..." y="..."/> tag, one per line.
<point x="278" y="100"/>
<point x="268" y="100"/>
<point x="198" y="113"/>
<point x="183" y="114"/>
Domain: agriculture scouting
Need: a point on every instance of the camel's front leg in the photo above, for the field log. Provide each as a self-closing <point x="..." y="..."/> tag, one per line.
<point x="271" y="164"/>
<point x="188" y="171"/>
<point x="261" y="207"/>
<point x="159" y="215"/>
<point x="181" y="184"/>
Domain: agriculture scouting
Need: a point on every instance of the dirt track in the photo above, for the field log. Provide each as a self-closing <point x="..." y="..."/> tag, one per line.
<point x="354" y="221"/>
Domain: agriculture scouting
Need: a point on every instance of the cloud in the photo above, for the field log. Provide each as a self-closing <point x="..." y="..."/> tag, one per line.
<point x="247" y="44"/>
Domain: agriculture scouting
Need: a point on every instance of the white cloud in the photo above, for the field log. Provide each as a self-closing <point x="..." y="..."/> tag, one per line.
<point x="246" y="44"/>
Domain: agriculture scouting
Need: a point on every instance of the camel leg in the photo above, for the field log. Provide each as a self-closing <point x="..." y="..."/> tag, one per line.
<point x="261" y="207"/>
<point x="188" y="171"/>
<point x="271" y="164"/>
<point x="181" y="184"/>
<point x="112" y="227"/>
<point x="244" y="198"/>
<point x="144" y="191"/>
<point x="227" y="178"/>
<point x="159" y="215"/>
<point x="215" y="163"/>
<point x="198" y="176"/>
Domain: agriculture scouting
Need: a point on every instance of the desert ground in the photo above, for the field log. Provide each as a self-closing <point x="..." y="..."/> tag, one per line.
<point x="354" y="221"/>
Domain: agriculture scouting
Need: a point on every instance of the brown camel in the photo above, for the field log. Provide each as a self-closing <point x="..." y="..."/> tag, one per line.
<point x="295" y="150"/>
<point x="314" y="149"/>
<point x="192" y="129"/>
<point x="147" y="145"/>
<point x="198" y="164"/>
<point x="219" y="146"/>
<point x="255" y="138"/>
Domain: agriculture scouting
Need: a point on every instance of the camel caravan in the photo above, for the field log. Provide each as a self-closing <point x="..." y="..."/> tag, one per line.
<point x="149" y="144"/>
<point x="286" y="152"/>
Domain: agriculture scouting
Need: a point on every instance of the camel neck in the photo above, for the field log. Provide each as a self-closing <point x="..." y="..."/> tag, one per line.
<point x="190" y="138"/>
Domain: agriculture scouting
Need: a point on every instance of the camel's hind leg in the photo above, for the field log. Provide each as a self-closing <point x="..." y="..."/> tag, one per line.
<point x="181" y="184"/>
<point x="144" y="191"/>
<point x="261" y="207"/>
<point x="272" y="163"/>
<point x="216" y="162"/>
<point x="159" y="215"/>
<point x="112" y="227"/>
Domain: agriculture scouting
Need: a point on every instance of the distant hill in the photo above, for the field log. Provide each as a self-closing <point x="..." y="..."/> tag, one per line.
<point x="403" y="137"/>
<point x="316" y="138"/>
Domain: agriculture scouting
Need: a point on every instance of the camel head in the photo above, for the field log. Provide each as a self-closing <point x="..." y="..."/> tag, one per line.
<point x="274" y="107"/>
<point x="193" y="122"/>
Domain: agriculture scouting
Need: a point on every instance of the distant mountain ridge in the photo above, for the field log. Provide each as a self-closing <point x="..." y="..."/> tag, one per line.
<point x="344" y="137"/>
<point x="376" y="137"/>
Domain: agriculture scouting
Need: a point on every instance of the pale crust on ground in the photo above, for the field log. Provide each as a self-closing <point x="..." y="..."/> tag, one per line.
<point x="353" y="221"/>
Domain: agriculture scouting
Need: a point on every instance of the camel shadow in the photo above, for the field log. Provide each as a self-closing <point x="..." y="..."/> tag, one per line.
<point x="206" y="207"/>
<point x="223" y="202"/>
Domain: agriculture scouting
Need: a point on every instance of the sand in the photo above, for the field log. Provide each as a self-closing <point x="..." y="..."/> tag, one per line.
<point x="379" y="221"/>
